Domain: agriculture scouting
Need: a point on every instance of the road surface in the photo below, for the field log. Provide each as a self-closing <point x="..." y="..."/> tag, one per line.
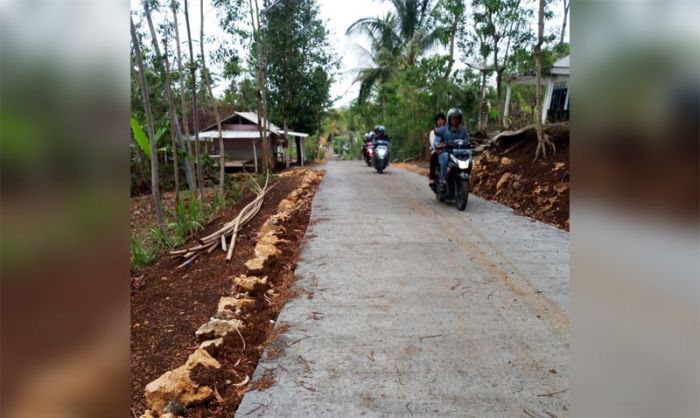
<point x="408" y="307"/>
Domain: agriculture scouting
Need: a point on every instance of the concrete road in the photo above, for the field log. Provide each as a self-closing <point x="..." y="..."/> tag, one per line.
<point x="408" y="307"/>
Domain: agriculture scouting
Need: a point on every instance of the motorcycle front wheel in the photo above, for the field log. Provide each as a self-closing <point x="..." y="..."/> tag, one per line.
<point x="461" y="195"/>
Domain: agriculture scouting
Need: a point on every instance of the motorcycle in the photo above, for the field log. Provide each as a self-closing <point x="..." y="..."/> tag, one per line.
<point x="381" y="155"/>
<point x="367" y="153"/>
<point x="459" y="167"/>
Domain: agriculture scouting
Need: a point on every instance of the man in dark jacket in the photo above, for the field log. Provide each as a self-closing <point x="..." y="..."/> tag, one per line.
<point x="448" y="133"/>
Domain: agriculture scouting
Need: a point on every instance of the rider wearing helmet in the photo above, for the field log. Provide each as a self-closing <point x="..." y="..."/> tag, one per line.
<point x="448" y="133"/>
<point x="380" y="133"/>
<point x="440" y="121"/>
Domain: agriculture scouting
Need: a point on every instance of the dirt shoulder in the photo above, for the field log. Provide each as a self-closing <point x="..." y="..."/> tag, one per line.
<point x="168" y="304"/>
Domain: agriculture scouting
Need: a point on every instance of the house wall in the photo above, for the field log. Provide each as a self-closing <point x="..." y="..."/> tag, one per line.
<point x="239" y="149"/>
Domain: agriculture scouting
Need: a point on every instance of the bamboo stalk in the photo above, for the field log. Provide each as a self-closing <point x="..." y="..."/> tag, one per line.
<point x="219" y="237"/>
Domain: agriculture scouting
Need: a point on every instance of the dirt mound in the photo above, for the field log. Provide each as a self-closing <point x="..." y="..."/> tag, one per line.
<point x="507" y="174"/>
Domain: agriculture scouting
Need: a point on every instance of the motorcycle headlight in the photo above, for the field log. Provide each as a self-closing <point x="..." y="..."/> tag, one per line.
<point x="381" y="152"/>
<point x="463" y="165"/>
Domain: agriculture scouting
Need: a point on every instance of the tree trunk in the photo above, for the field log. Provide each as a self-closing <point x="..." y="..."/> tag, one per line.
<point x="499" y="94"/>
<point x="483" y="107"/>
<point x="263" y="87"/>
<point x="155" y="191"/>
<point x="286" y="138"/>
<point x="195" y="113"/>
<point x="191" y="179"/>
<point x="450" y="61"/>
<point x="174" y="125"/>
<point x="173" y="145"/>
<point x="297" y="142"/>
<point x="542" y="141"/>
<point x="563" y="25"/>
<point x="262" y="130"/>
<point x="207" y="81"/>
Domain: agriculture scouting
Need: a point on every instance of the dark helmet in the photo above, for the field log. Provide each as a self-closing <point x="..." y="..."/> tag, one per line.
<point x="376" y="129"/>
<point x="454" y="113"/>
<point x="381" y="130"/>
<point x="438" y="116"/>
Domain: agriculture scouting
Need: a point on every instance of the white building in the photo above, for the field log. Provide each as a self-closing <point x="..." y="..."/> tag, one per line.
<point x="555" y="106"/>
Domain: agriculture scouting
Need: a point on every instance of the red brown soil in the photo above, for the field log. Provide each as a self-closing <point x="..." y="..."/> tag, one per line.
<point x="168" y="305"/>
<point x="538" y="189"/>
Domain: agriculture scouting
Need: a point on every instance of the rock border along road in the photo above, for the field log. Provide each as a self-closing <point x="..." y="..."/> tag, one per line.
<point x="408" y="307"/>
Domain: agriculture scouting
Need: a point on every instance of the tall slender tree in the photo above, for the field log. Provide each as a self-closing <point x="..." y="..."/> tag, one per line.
<point x="454" y="11"/>
<point x="299" y="62"/>
<point x="504" y="23"/>
<point x="173" y="117"/>
<point x="566" y="4"/>
<point x="542" y="141"/>
<point x="155" y="191"/>
<point x="195" y="111"/>
<point x="263" y="127"/>
<point x="183" y="103"/>
<point x="206" y="79"/>
<point x="174" y="124"/>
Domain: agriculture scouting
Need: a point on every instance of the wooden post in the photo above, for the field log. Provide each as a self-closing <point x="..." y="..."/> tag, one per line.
<point x="255" y="156"/>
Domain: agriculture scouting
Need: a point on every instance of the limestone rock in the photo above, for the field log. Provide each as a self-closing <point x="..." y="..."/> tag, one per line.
<point x="506" y="161"/>
<point x="503" y="181"/>
<point x="249" y="282"/>
<point x="217" y="328"/>
<point x="235" y="302"/>
<point x="216" y="343"/>
<point x="176" y="386"/>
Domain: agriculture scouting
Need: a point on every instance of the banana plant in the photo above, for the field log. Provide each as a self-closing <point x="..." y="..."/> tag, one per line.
<point x="142" y="139"/>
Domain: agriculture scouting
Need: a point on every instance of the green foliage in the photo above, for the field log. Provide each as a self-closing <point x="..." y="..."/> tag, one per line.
<point x="348" y="147"/>
<point x="140" y="137"/>
<point x="311" y="150"/>
<point x="162" y="239"/>
<point x="299" y="63"/>
<point x="189" y="218"/>
<point x="141" y="257"/>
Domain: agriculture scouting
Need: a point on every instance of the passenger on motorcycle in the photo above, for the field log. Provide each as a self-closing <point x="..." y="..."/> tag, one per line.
<point x="439" y="123"/>
<point x="452" y="131"/>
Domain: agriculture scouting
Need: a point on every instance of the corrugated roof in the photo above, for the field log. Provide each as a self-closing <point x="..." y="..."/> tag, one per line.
<point x="209" y="135"/>
<point x="251" y="117"/>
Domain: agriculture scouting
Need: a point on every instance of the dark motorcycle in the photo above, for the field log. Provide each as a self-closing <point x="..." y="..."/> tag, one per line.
<point x="367" y="153"/>
<point x="380" y="158"/>
<point x="459" y="167"/>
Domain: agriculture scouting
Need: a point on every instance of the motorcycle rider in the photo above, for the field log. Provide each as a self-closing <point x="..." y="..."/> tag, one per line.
<point x="439" y="121"/>
<point x="380" y="133"/>
<point x="448" y="133"/>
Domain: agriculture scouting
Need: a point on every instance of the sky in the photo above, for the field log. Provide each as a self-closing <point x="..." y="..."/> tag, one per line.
<point x="339" y="14"/>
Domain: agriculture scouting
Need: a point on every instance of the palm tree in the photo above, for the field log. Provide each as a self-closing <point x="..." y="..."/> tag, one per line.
<point x="397" y="39"/>
<point x="384" y="55"/>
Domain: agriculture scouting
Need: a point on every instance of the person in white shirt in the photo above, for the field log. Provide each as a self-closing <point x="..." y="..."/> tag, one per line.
<point x="439" y="121"/>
